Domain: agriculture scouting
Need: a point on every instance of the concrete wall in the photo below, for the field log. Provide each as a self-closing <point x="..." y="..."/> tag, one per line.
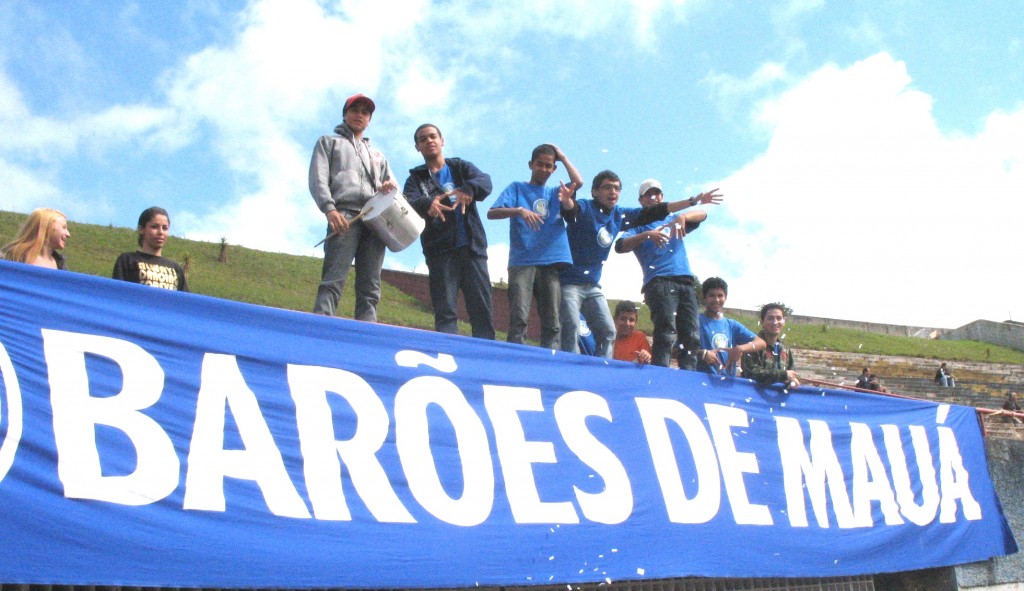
<point x="998" y="333"/>
<point x="875" y="327"/>
<point x="417" y="286"/>
<point x="1004" y="573"/>
<point x="986" y="331"/>
<point x="1005" y="461"/>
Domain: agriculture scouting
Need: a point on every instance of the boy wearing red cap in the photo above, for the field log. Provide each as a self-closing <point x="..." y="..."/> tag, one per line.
<point x="344" y="173"/>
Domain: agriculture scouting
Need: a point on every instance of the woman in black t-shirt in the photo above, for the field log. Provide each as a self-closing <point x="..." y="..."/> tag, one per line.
<point x="146" y="266"/>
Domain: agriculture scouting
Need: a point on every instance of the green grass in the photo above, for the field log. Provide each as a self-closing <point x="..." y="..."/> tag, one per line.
<point x="289" y="281"/>
<point x="820" y="337"/>
<point x="251" y="276"/>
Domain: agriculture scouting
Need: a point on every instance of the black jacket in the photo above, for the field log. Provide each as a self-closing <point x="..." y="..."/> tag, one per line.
<point x="438" y="238"/>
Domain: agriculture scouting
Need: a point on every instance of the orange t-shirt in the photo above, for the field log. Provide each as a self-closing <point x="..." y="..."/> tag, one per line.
<point x="625" y="349"/>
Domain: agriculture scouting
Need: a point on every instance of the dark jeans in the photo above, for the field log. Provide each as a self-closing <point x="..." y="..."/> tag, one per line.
<point x="673" y="305"/>
<point x="461" y="270"/>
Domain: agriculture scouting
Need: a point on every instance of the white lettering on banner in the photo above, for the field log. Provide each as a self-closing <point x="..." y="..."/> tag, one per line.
<point x="824" y="471"/>
<point x="12" y="436"/>
<point x="260" y="461"/>
<point x="615" y="503"/>
<point x="517" y="455"/>
<point x="870" y="481"/>
<point x="953" y="479"/>
<point x="310" y="386"/>
<point x="443" y="362"/>
<point x="811" y="469"/>
<point x="76" y="414"/>
<point x="924" y="513"/>
<point x="735" y="464"/>
<point x="412" y="438"/>
<point x="655" y="414"/>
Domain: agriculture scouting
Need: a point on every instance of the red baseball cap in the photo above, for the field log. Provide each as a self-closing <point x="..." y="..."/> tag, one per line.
<point x="356" y="98"/>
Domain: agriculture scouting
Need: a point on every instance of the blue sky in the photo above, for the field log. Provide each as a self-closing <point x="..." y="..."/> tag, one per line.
<point x="871" y="153"/>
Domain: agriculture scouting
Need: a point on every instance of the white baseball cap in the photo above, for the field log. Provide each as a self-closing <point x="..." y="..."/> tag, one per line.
<point x="648" y="185"/>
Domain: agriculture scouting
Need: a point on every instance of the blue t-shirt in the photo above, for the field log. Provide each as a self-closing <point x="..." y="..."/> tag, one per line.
<point x="591" y="237"/>
<point x="664" y="261"/>
<point x="724" y="333"/>
<point x="445" y="180"/>
<point x="546" y="245"/>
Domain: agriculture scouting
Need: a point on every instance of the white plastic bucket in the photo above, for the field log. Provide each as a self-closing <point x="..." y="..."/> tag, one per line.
<point x="393" y="220"/>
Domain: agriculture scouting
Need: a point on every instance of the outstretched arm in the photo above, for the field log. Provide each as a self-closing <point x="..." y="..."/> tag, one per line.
<point x="709" y="197"/>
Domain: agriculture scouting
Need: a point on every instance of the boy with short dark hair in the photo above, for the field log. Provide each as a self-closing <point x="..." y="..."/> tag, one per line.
<point x="445" y="192"/>
<point x="538" y="247"/>
<point x="592" y="229"/>
<point x="723" y="340"/>
<point x="774" y="363"/>
<point x="630" y="344"/>
<point x="345" y="172"/>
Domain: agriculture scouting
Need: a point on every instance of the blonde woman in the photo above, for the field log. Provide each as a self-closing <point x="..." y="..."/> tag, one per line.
<point x="39" y="239"/>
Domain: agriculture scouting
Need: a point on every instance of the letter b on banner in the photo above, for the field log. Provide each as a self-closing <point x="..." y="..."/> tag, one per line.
<point x="10" y="413"/>
<point x="76" y="414"/>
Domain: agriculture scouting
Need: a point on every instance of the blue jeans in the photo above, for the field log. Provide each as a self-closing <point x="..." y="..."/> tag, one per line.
<point x="673" y="304"/>
<point x="588" y="299"/>
<point x="461" y="270"/>
<point x="358" y="243"/>
<point x="525" y="284"/>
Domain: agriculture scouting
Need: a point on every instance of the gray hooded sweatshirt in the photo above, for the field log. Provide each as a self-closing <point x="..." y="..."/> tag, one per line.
<point x="345" y="172"/>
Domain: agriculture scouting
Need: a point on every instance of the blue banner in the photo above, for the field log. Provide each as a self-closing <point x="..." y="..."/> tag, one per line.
<point x="157" y="438"/>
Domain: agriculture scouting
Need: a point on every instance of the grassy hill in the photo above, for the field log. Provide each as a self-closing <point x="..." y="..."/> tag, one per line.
<point x="289" y="281"/>
<point x="252" y="276"/>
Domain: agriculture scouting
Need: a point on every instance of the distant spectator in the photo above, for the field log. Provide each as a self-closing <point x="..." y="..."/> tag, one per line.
<point x="944" y="377"/>
<point x="39" y="239"/>
<point x="630" y="343"/>
<point x="1012" y="405"/>
<point x="874" y="384"/>
<point x="774" y="363"/>
<point x="862" y="379"/>
<point x="723" y="340"/>
<point x="146" y="266"/>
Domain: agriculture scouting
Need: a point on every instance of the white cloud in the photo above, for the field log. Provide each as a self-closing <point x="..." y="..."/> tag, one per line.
<point x="497" y="262"/>
<point x="786" y="12"/>
<point x="863" y="207"/>
<point x="24" y="190"/>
